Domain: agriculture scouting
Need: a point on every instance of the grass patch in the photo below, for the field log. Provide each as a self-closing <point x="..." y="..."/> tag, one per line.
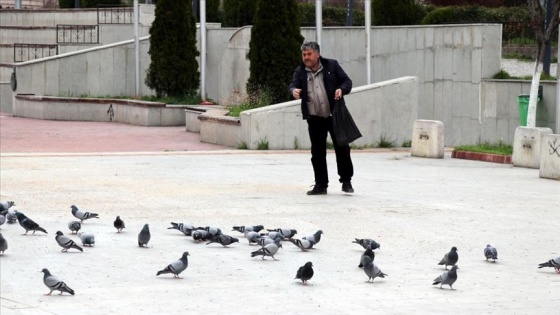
<point x="263" y="144"/>
<point x="242" y="146"/>
<point x="498" y="148"/>
<point x="407" y="144"/>
<point x="260" y="98"/>
<point x="384" y="142"/>
<point x="296" y="143"/>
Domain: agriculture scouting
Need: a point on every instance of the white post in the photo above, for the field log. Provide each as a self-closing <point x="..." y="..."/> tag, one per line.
<point x="367" y="13"/>
<point x="532" y="110"/>
<point x="136" y="50"/>
<point x="203" y="49"/>
<point x="318" y="20"/>
<point x="558" y="89"/>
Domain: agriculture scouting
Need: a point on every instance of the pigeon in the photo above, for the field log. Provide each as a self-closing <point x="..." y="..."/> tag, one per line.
<point x="83" y="215"/>
<point x="11" y="216"/>
<point x="252" y="236"/>
<point x="6" y="205"/>
<point x="248" y="228"/>
<point x="74" y="226"/>
<point x="371" y="269"/>
<point x="265" y="240"/>
<point x="315" y="238"/>
<point x="28" y="224"/>
<point x="201" y="235"/>
<point x="450" y="258"/>
<point x="365" y="242"/>
<point x="3" y="216"/>
<point x="448" y="277"/>
<point x="554" y="263"/>
<point x="367" y="253"/>
<point x="304" y="244"/>
<point x="177" y="266"/>
<point x="305" y="272"/>
<point x="54" y="283"/>
<point x="490" y="253"/>
<point x="186" y="228"/>
<point x="118" y="224"/>
<point x="267" y="250"/>
<point x="87" y="238"/>
<point x="3" y="244"/>
<point x="65" y="242"/>
<point x="144" y="236"/>
<point x="214" y="231"/>
<point x="287" y="233"/>
<point x="224" y="240"/>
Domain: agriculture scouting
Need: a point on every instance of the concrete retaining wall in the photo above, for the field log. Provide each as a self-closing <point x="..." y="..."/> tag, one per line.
<point x="385" y="109"/>
<point x="125" y="111"/>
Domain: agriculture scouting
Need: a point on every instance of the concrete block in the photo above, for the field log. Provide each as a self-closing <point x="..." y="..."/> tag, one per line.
<point x="527" y="146"/>
<point x="427" y="138"/>
<point x="550" y="156"/>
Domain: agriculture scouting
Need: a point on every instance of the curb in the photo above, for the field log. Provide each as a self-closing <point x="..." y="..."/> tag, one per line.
<point x="485" y="157"/>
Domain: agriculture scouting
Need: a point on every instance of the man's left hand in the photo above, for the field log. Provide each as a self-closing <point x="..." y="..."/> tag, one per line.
<point x="337" y="94"/>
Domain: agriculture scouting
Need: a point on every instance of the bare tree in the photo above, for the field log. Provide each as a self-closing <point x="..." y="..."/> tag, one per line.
<point x="543" y="36"/>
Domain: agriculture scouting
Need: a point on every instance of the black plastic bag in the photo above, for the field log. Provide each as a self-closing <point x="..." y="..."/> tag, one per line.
<point x="345" y="129"/>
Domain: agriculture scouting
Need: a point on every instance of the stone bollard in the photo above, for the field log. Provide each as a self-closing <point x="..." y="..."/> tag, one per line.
<point x="527" y="146"/>
<point x="550" y="157"/>
<point x="427" y="139"/>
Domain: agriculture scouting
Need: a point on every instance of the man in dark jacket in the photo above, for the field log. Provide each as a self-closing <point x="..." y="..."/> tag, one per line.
<point x="319" y="82"/>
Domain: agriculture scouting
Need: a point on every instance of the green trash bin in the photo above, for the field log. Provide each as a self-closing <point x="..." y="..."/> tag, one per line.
<point x="523" y="102"/>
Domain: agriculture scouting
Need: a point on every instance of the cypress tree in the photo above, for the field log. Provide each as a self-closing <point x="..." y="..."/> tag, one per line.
<point x="173" y="70"/>
<point x="396" y="12"/>
<point x="237" y="13"/>
<point x="274" y="49"/>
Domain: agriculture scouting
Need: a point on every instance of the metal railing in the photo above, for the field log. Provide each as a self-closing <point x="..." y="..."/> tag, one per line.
<point x="115" y="15"/>
<point x="79" y="34"/>
<point x="26" y="52"/>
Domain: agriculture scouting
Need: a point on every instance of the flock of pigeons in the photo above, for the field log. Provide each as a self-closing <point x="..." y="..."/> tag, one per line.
<point x="270" y="242"/>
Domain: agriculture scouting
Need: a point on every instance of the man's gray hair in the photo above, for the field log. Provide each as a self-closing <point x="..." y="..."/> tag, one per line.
<point x="311" y="45"/>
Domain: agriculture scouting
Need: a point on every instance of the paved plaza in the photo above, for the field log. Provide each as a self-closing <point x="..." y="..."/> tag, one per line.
<point x="416" y="208"/>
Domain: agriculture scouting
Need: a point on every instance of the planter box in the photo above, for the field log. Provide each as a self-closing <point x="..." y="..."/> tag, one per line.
<point x="478" y="156"/>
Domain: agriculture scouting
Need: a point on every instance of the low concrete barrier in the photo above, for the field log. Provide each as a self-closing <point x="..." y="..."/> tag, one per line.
<point x="217" y="128"/>
<point x="191" y="116"/>
<point x="133" y="112"/>
<point x="527" y="146"/>
<point x="550" y="156"/>
<point x="427" y="139"/>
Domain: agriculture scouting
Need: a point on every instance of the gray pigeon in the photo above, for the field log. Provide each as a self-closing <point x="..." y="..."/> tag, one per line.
<point x="87" y="238"/>
<point x="177" y="266"/>
<point x="11" y="216"/>
<point x="201" y="235"/>
<point x="224" y="240"/>
<point x="365" y="242"/>
<point x="450" y="258"/>
<point x="54" y="283"/>
<point x="3" y="244"/>
<point x="248" y="228"/>
<point x="6" y="205"/>
<point x="265" y="240"/>
<point x="448" y="277"/>
<point x="304" y="244"/>
<point x="287" y="233"/>
<point x="490" y="253"/>
<point x="252" y="237"/>
<point x="553" y="263"/>
<point x="74" y="226"/>
<point x="28" y="224"/>
<point x="65" y="242"/>
<point x="305" y="272"/>
<point x="186" y="228"/>
<point x="83" y="215"/>
<point x="267" y="250"/>
<point x="144" y="236"/>
<point x="118" y="224"/>
<point x="214" y="231"/>
<point x="3" y="216"/>
<point x="315" y="238"/>
<point x="367" y="253"/>
<point x="371" y="269"/>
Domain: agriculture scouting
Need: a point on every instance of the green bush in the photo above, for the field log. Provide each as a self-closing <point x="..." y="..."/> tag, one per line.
<point x="173" y="69"/>
<point x="274" y="48"/>
<point x="95" y="3"/>
<point x="396" y="12"/>
<point x="332" y="16"/>
<point x="237" y="13"/>
<point x="65" y="4"/>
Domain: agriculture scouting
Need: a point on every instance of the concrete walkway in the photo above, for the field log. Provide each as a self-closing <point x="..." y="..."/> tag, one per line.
<point x="416" y="208"/>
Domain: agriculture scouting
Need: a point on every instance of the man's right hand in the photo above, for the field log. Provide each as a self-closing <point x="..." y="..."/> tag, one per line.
<point x="296" y="94"/>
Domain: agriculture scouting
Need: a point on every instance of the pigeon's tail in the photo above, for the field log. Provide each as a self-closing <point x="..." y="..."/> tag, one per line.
<point x="257" y="253"/>
<point x="41" y="230"/>
<point x="382" y="275"/>
<point x="76" y="246"/>
<point x="163" y="271"/>
<point x="549" y="263"/>
<point x="93" y="215"/>
<point x="174" y="226"/>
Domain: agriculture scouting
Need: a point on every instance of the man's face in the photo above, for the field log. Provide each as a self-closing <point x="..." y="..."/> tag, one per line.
<point x="310" y="58"/>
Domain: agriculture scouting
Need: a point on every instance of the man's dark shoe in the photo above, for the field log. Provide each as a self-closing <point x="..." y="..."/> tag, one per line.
<point x="347" y="187"/>
<point x="318" y="190"/>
